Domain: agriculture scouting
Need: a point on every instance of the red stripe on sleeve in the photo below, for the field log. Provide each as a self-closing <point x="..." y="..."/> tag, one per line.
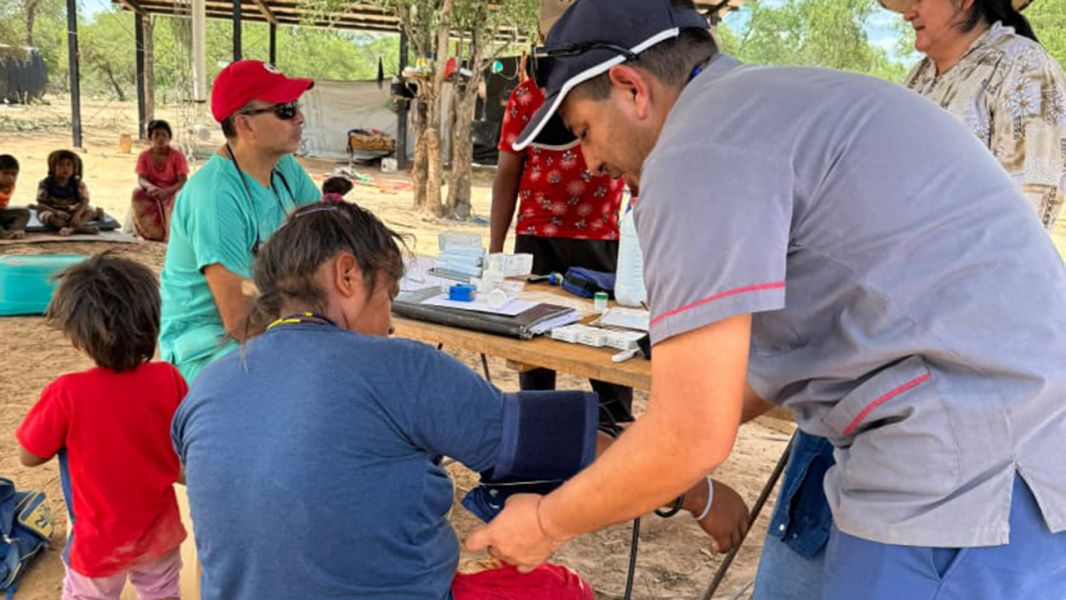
<point x="742" y="290"/>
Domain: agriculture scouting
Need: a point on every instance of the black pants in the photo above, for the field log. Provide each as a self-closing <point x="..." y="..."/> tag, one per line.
<point x="13" y="219"/>
<point x="558" y="255"/>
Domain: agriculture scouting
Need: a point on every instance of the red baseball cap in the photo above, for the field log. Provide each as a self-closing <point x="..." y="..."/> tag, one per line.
<point x="246" y="80"/>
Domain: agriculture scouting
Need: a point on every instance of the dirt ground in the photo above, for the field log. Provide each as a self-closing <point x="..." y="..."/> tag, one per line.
<point x="674" y="560"/>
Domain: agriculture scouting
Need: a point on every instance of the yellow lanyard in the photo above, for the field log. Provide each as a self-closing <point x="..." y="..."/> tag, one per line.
<point x="304" y="317"/>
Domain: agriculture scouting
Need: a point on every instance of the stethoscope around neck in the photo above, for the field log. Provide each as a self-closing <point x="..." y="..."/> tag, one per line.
<point x="251" y="200"/>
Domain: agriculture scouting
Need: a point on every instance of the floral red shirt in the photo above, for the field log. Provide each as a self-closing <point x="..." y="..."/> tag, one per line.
<point x="557" y="196"/>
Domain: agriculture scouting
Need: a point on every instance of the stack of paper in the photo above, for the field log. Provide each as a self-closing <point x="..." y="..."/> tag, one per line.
<point x="418" y="275"/>
<point x="461" y="256"/>
<point x="567" y="318"/>
<point x="460" y="260"/>
<point x="511" y="308"/>
<point x="511" y="265"/>
<point x="627" y="318"/>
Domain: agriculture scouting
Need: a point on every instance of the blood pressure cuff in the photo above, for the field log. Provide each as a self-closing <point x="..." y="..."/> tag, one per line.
<point x="547" y="438"/>
<point x="586" y="282"/>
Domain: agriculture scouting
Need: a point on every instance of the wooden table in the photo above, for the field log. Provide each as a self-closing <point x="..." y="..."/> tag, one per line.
<point x="542" y="351"/>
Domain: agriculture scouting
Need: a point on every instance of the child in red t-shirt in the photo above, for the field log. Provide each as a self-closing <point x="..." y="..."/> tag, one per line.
<point x="110" y="427"/>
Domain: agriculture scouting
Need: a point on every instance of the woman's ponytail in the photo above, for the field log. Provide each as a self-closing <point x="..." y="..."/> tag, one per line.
<point x="1003" y="11"/>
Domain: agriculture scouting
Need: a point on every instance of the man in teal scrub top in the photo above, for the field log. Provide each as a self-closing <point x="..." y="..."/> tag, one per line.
<point x="227" y="209"/>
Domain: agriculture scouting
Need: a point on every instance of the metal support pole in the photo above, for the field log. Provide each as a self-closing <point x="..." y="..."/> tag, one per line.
<point x="401" y="111"/>
<point x="764" y="495"/>
<point x="199" y="33"/>
<point x="75" y="75"/>
<point x="273" y="44"/>
<point x="236" y="30"/>
<point x="142" y="105"/>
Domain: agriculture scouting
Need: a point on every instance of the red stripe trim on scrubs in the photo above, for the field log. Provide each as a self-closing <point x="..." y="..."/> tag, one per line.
<point x="743" y="290"/>
<point x="885" y="398"/>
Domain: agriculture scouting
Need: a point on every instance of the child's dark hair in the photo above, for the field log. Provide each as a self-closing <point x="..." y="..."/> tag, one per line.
<point x="160" y="124"/>
<point x="286" y="265"/>
<point x="59" y="156"/>
<point x="337" y="185"/>
<point x="9" y="163"/>
<point x="109" y="308"/>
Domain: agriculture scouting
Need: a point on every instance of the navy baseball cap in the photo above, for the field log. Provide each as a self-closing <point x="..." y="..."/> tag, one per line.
<point x="591" y="37"/>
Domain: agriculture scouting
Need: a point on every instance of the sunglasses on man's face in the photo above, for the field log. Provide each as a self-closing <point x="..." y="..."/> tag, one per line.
<point x="581" y="48"/>
<point x="285" y="112"/>
<point x="543" y="56"/>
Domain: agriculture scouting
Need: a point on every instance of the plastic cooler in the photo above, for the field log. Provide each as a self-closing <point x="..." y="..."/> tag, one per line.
<point x="28" y="282"/>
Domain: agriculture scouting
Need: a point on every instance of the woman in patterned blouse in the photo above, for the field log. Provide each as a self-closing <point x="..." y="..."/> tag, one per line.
<point x="984" y="65"/>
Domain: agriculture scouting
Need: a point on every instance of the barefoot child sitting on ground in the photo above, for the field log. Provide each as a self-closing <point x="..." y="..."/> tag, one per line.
<point x="12" y="220"/>
<point x="110" y="426"/>
<point x="63" y="199"/>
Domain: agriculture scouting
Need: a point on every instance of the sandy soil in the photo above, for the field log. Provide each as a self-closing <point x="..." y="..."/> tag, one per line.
<point x="674" y="561"/>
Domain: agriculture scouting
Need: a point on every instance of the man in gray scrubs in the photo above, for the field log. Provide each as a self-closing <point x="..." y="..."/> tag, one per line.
<point x="840" y="246"/>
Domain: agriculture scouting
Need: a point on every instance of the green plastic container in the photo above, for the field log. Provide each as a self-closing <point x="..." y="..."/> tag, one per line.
<point x="28" y="282"/>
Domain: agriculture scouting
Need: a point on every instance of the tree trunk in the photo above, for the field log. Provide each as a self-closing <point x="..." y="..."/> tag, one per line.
<point x="418" y="39"/>
<point x="106" y="68"/>
<point x="420" y="167"/>
<point x="462" y="154"/>
<point x="426" y="199"/>
<point x="149" y="69"/>
<point x="31" y="18"/>
<point x="434" y="170"/>
<point x="465" y="104"/>
<point x="434" y="174"/>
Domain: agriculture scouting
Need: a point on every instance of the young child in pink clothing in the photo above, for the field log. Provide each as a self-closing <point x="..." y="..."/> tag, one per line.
<point x="161" y="173"/>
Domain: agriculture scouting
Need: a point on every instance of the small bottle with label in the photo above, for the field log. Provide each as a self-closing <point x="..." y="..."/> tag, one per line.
<point x="599" y="302"/>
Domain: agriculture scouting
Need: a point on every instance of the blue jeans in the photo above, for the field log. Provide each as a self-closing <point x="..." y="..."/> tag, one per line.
<point x="785" y="575"/>
<point x="1031" y="567"/>
<point x="793" y="555"/>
